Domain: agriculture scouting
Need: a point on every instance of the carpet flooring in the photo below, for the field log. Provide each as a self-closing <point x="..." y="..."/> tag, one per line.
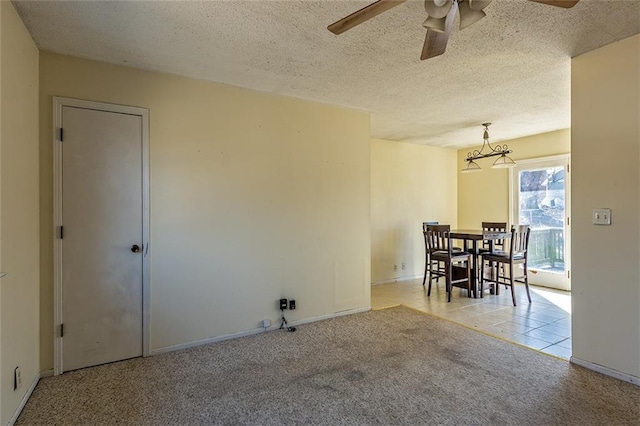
<point x="395" y="366"/>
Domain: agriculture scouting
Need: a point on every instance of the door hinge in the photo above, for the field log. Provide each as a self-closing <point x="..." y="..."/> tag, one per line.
<point x="568" y="168"/>
<point x="568" y="221"/>
<point x="568" y="274"/>
<point x="61" y="134"/>
<point x="61" y="232"/>
<point x="62" y="330"/>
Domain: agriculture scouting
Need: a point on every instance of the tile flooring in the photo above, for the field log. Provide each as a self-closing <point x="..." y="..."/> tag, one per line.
<point x="544" y="324"/>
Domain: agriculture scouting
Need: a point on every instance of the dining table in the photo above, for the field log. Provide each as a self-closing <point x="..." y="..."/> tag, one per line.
<point x="472" y="241"/>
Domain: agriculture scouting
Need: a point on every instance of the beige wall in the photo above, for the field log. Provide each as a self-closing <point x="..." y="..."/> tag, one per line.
<point x="410" y="184"/>
<point x="484" y="196"/>
<point x="2" y="376"/>
<point x="253" y="197"/>
<point x="606" y="173"/>
<point x="19" y="209"/>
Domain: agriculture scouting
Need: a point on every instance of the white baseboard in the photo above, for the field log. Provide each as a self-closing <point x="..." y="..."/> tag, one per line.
<point x="251" y="332"/>
<point x="329" y="316"/>
<point x="606" y="371"/>
<point x="394" y="280"/>
<point x="25" y="398"/>
<point x="193" y="344"/>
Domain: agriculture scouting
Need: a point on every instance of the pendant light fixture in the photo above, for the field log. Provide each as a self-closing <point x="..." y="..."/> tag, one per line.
<point x="486" y="151"/>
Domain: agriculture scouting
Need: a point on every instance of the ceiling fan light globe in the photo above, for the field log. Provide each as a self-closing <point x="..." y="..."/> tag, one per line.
<point x="478" y="4"/>
<point x="469" y="16"/>
<point x="434" y="24"/>
<point x="437" y="8"/>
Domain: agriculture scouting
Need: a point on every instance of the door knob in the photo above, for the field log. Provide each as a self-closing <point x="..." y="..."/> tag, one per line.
<point x="135" y="248"/>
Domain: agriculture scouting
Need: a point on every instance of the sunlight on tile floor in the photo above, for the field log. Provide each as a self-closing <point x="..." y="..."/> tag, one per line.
<point x="544" y="324"/>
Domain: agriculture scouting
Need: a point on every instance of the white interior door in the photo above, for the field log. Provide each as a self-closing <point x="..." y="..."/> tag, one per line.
<point x="102" y="219"/>
<point x="541" y="198"/>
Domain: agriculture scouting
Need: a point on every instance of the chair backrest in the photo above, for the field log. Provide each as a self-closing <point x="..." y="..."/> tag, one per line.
<point x="424" y="232"/>
<point x="438" y="238"/>
<point x="497" y="227"/>
<point x="519" y="240"/>
<point x="426" y="224"/>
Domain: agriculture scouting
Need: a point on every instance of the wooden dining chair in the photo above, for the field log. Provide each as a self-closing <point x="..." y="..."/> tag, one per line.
<point x="427" y="256"/>
<point x="427" y="260"/>
<point x="495" y="245"/>
<point x="498" y="245"/>
<point x="510" y="261"/>
<point x="440" y="250"/>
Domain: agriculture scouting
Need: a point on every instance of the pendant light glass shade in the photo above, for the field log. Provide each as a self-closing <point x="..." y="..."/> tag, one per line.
<point x="503" y="162"/>
<point x="472" y="166"/>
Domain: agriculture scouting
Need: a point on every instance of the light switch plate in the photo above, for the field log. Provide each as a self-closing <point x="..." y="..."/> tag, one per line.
<point x="602" y="216"/>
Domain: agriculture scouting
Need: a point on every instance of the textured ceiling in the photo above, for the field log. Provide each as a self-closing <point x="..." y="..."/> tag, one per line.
<point x="512" y="68"/>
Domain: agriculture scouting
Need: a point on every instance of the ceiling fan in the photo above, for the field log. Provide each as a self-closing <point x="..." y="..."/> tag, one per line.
<point x="440" y="17"/>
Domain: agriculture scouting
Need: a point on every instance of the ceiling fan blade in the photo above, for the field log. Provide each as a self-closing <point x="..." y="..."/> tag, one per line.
<point x="364" y="14"/>
<point x="435" y="43"/>
<point x="560" y="3"/>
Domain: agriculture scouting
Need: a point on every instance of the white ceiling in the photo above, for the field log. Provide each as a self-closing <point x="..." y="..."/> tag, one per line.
<point x="511" y="68"/>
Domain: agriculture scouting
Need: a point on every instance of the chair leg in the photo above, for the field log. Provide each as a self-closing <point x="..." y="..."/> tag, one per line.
<point x="491" y="270"/>
<point x="496" y="287"/>
<point x="449" y="267"/>
<point x="526" y="282"/>
<point x="430" y="277"/>
<point x="426" y="268"/>
<point x="481" y="268"/>
<point x="513" y="287"/>
<point x="469" y="279"/>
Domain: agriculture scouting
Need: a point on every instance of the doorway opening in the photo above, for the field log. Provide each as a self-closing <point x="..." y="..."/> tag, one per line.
<point x="541" y="198"/>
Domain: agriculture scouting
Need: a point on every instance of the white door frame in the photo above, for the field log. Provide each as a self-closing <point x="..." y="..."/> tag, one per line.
<point x="58" y="103"/>
<point x="514" y="220"/>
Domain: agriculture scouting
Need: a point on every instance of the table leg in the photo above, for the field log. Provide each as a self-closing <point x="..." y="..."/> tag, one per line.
<point x="475" y="268"/>
<point x="492" y="284"/>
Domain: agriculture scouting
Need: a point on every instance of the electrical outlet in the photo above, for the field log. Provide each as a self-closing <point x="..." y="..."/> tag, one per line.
<point x="292" y="304"/>
<point x="17" y="378"/>
<point x="283" y="304"/>
<point x="395" y="267"/>
<point x="266" y="323"/>
<point x="403" y="266"/>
